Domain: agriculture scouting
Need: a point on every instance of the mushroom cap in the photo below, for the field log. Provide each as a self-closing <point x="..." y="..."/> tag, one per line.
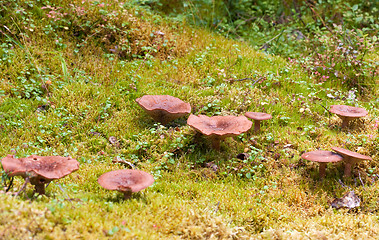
<point x="220" y="126"/>
<point x="348" y="153"/>
<point x="48" y="167"/>
<point x="13" y="166"/>
<point x="258" y="115"/>
<point x="348" y="111"/>
<point x="126" y="180"/>
<point x="321" y="156"/>
<point x="163" y="108"/>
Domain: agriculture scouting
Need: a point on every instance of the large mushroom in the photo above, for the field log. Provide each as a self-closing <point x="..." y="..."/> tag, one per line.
<point x="350" y="158"/>
<point x="39" y="170"/>
<point x="126" y="181"/>
<point x="258" y="117"/>
<point x="322" y="157"/>
<point x="163" y="108"/>
<point x="347" y="113"/>
<point x="218" y="128"/>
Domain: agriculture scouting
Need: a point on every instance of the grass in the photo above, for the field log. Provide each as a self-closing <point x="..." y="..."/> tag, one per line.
<point x="90" y="92"/>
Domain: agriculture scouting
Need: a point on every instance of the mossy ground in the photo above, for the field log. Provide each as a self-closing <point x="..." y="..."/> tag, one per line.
<point x="86" y="70"/>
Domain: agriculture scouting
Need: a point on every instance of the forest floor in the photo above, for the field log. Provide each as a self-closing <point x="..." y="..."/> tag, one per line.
<point x="70" y="76"/>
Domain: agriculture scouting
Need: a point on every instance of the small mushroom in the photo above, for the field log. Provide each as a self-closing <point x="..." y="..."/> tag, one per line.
<point x="39" y="170"/>
<point x="126" y="181"/>
<point x="322" y="157"/>
<point x="347" y="113"/>
<point x="163" y="108"/>
<point x="350" y="158"/>
<point x="258" y="117"/>
<point x="218" y="128"/>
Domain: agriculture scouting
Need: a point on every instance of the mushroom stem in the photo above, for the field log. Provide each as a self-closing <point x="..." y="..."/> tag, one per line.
<point x="40" y="188"/>
<point x="127" y="194"/>
<point x="216" y="143"/>
<point x="162" y="118"/>
<point x="348" y="167"/>
<point x="322" y="169"/>
<point x="257" y="125"/>
<point x="345" y="122"/>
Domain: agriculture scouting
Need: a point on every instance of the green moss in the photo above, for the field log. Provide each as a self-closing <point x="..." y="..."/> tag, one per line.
<point x="90" y="91"/>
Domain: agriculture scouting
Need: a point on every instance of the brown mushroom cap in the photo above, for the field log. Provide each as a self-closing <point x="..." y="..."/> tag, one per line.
<point x="218" y="128"/>
<point x="126" y="180"/>
<point x="39" y="170"/>
<point x="347" y="113"/>
<point x="351" y="154"/>
<point x="48" y="167"/>
<point x="258" y="115"/>
<point x="51" y="167"/>
<point x="350" y="158"/>
<point x="13" y="166"/>
<point x="222" y="126"/>
<point x="321" y="156"/>
<point x="163" y="108"/>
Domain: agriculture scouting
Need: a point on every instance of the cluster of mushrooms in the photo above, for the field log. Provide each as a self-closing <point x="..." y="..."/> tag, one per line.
<point x="165" y="108"/>
<point x="41" y="170"/>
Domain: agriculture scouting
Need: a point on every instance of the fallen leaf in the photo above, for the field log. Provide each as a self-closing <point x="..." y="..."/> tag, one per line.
<point x="349" y="200"/>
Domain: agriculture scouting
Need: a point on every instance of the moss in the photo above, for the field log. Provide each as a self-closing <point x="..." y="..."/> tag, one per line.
<point x="199" y="193"/>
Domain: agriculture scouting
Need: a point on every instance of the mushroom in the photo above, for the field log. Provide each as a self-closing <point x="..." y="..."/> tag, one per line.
<point x="258" y="117"/>
<point x="126" y="181"/>
<point x="218" y="128"/>
<point x="322" y="157"/>
<point x="163" y="108"/>
<point x="347" y="113"/>
<point x="39" y="170"/>
<point x="350" y="158"/>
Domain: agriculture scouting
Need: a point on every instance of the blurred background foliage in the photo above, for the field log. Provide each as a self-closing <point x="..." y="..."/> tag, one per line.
<point x="331" y="38"/>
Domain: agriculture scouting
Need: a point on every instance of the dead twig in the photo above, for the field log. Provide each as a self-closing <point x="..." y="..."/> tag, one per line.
<point x="119" y="160"/>
<point x="245" y="79"/>
<point x="327" y="112"/>
<point x="10" y="184"/>
<point x="360" y="179"/>
<point x="60" y="187"/>
<point x="342" y="184"/>
<point x="23" y="186"/>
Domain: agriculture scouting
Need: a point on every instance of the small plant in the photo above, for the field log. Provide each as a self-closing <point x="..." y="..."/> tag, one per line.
<point x="339" y="57"/>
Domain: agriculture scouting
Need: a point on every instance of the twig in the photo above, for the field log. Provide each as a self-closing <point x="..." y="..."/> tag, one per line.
<point x="275" y="37"/>
<point x="359" y="175"/>
<point x="119" y="160"/>
<point x="329" y="114"/>
<point x="60" y="187"/>
<point x="10" y="184"/>
<point x="322" y="20"/>
<point x="244" y="79"/>
<point x="23" y="186"/>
